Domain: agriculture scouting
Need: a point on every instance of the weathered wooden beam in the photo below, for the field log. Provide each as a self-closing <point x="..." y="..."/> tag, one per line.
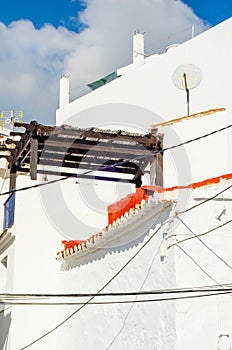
<point x="13" y="176"/>
<point x="91" y="166"/>
<point x="21" y="152"/>
<point x="33" y="158"/>
<point x="110" y="148"/>
<point x="159" y="165"/>
<point x="156" y="163"/>
<point x="88" y="158"/>
<point x="80" y="176"/>
<point x="98" y="134"/>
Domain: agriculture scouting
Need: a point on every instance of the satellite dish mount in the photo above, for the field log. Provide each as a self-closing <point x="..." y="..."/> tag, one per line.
<point x="187" y="77"/>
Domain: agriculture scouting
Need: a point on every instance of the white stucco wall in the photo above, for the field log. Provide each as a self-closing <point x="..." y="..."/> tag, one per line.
<point x="150" y="87"/>
<point x="36" y="271"/>
<point x="194" y="324"/>
<point x="201" y="321"/>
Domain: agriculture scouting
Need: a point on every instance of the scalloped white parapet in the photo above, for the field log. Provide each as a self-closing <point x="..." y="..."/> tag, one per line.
<point x="126" y="231"/>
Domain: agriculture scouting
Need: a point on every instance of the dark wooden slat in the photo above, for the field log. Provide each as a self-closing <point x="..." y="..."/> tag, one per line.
<point x="59" y="146"/>
<point x="13" y="176"/>
<point x="79" y="176"/>
<point x="89" y="166"/>
<point x="159" y="165"/>
<point x="88" y="133"/>
<point x="33" y="158"/>
<point x="98" y="160"/>
<point x="91" y="149"/>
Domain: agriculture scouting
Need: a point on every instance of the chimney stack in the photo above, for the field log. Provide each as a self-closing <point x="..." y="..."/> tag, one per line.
<point x="64" y="91"/>
<point x="138" y="49"/>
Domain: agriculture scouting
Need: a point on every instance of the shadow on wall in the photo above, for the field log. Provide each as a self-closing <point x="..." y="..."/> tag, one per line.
<point x="125" y="236"/>
<point x="5" y="322"/>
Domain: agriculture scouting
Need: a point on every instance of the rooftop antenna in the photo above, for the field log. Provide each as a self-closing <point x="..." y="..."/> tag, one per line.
<point x="187" y="77"/>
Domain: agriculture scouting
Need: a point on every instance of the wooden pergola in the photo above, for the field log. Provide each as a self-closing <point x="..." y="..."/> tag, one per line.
<point x="109" y="155"/>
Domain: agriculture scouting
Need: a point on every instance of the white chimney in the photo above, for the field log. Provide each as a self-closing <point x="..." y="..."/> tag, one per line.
<point x="64" y="91"/>
<point x="138" y="49"/>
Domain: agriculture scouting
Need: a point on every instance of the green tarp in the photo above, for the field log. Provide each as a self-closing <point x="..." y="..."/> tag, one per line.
<point x="103" y="81"/>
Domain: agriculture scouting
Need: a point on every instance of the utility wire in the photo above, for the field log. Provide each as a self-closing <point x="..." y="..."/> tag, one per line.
<point x="202" y="242"/>
<point x="121" y="162"/>
<point x="223" y="292"/>
<point x="76" y="311"/>
<point x="205" y="201"/>
<point x="201" y="234"/>
<point x="100" y="290"/>
<point x="35" y="186"/>
<point x="196" y="138"/>
<point x="4" y="298"/>
<point x="199" y="266"/>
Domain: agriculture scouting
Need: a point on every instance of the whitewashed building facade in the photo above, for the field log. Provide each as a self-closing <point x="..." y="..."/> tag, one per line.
<point x="192" y="247"/>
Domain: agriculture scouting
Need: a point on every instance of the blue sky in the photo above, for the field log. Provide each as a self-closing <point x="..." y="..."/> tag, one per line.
<point x="213" y="11"/>
<point x="43" y="40"/>
<point x="63" y="12"/>
<point x="60" y="12"/>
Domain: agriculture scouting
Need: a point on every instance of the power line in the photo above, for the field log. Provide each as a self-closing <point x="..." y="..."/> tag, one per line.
<point x="133" y="304"/>
<point x="121" y="162"/>
<point x="4" y="298"/>
<point x="202" y="242"/>
<point x="205" y="201"/>
<point x="35" y="186"/>
<point x="86" y="303"/>
<point x="201" y="234"/>
<point x="223" y="292"/>
<point x="196" y="138"/>
<point x="199" y="266"/>
<point x="100" y="290"/>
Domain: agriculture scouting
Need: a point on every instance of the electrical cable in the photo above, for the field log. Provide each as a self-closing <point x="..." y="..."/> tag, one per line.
<point x="123" y="302"/>
<point x="202" y="242"/>
<point x="204" y="201"/>
<point x="121" y="162"/>
<point x="201" y="268"/>
<point x="100" y="290"/>
<point x="169" y="148"/>
<point x="136" y="297"/>
<point x="196" y="138"/>
<point x="4" y="298"/>
<point x="201" y="234"/>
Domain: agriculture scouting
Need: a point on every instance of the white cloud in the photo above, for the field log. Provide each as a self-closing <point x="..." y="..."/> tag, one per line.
<point x="32" y="61"/>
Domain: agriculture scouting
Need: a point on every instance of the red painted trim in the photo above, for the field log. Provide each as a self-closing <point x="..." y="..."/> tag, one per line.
<point x="119" y="208"/>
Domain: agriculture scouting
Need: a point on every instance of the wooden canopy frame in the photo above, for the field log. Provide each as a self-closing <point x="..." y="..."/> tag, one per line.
<point x="86" y="153"/>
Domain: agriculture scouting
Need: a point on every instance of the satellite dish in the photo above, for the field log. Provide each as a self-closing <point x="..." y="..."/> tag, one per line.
<point x="187" y="73"/>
